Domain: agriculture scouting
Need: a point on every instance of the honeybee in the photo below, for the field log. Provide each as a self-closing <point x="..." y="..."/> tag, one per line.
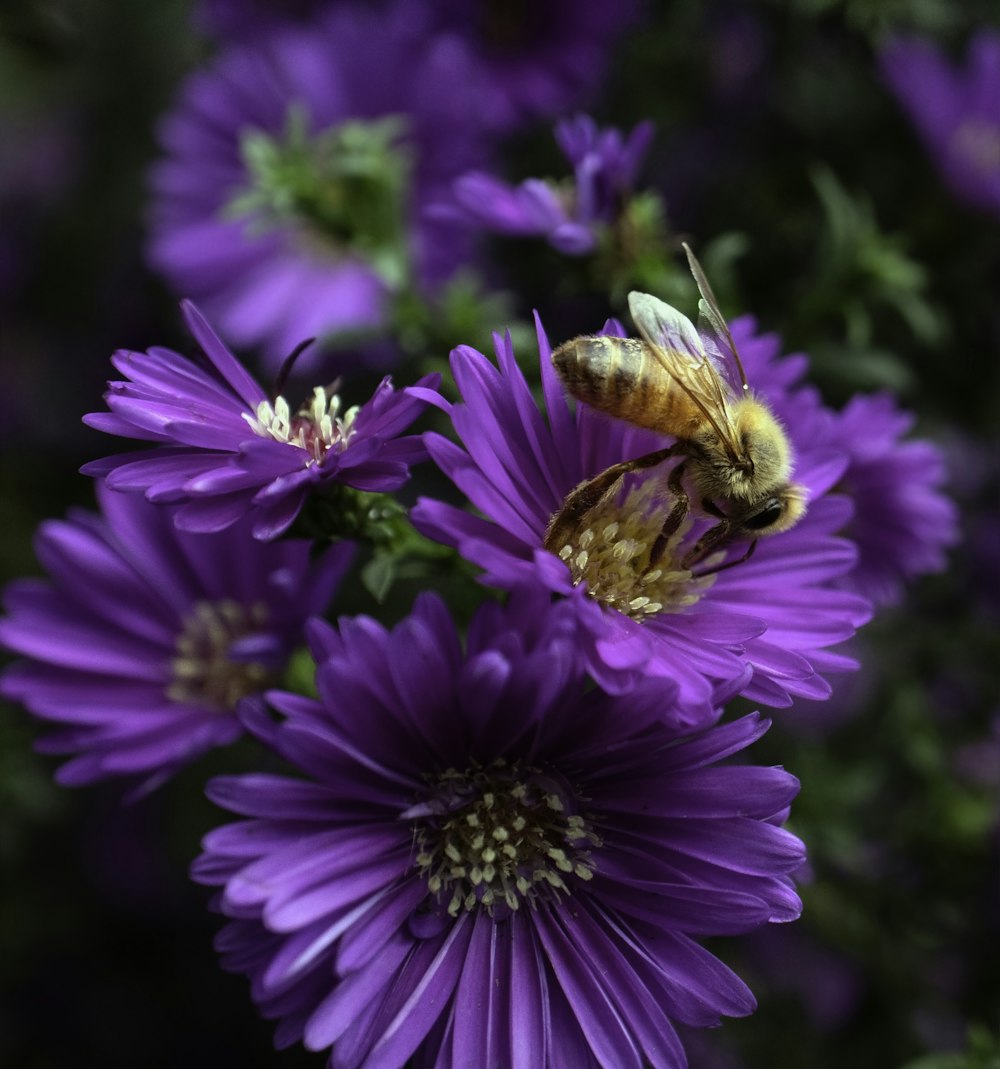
<point x="674" y="380"/>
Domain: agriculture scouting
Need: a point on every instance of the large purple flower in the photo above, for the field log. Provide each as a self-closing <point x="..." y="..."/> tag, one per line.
<point x="764" y="625"/>
<point x="226" y="449"/>
<point x="571" y="218"/>
<point x="956" y="111"/>
<point x="289" y="202"/>
<point x="488" y="863"/>
<point x="144" y="638"/>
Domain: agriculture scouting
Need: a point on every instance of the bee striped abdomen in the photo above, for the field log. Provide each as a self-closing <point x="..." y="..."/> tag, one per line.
<point x="621" y="377"/>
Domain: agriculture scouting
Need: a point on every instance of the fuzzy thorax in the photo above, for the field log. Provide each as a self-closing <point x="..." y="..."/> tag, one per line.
<point x="763" y="460"/>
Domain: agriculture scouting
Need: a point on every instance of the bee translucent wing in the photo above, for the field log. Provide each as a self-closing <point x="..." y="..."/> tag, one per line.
<point x="681" y="351"/>
<point x="714" y="328"/>
<point x="663" y="327"/>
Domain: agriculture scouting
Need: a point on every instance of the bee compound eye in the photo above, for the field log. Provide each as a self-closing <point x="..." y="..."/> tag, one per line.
<point x="769" y="515"/>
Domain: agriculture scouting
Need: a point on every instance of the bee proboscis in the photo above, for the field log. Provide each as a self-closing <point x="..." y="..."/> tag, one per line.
<point x="675" y="380"/>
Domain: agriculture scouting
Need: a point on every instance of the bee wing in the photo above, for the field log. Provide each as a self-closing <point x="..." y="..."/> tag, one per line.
<point x="714" y="329"/>
<point x="681" y="352"/>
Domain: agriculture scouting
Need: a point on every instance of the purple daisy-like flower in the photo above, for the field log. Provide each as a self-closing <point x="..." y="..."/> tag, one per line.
<point x="955" y="111"/>
<point x="290" y="200"/>
<point x="144" y="638"/>
<point x="571" y="218"/>
<point x="225" y="449"/>
<point x="903" y="523"/>
<point x="487" y="863"/>
<point x="764" y="625"/>
<point x="539" y="59"/>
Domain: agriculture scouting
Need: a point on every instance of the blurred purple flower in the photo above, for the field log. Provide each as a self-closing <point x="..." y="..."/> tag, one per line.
<point x="539" y="59"/>
<point x="225" y="450"/>
<point x="956" y="110"/>
<point x="836" y="985"/>
<point x="571" y="218"/>
<point x="762" y="627"/>
<point x="903" y="523"/>
<point x="240" y="20"/>
<point x="290" y="199"/>
<point x="144" y="638"/>
<point x="488" y="863"/>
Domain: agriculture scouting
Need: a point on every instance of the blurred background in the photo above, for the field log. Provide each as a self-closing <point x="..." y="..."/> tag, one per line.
<point x="828" y="194"/>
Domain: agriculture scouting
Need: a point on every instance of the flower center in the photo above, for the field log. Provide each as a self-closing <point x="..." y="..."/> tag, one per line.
<point x="316" y="427"/>
<point x="203" y="671"/>
<point x="610" y="553"/>
<point x="344" y="188"/>
<point x="495" y="837"/>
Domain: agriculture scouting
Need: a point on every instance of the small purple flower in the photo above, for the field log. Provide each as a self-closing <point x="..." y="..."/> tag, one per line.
<point x="486" y="862"/>
<point x="571" y="218"/>
<point x="144" y="638"/>
<point x="290" y="200"/>
<point x="956" y="111"/>
<point x="225" y="449"/>
<point x="903" y="523"/>
<point x="763" y="626"/>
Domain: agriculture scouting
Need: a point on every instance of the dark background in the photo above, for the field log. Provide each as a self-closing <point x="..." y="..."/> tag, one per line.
<point x="771" y="117"/>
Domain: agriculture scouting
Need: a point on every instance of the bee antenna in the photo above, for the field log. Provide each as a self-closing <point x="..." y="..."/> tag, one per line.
<point x="286" y="367"/>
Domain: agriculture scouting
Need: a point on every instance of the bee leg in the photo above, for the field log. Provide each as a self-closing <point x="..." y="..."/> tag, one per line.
<point x="729" y="563"/>
<point x="580" y="501"/>
<point x="677" y="514"/>
<point x="713" y="538"/>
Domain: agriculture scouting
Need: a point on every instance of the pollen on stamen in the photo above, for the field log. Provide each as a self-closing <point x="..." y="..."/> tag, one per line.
<point x="202" y="671"/>
<point x="516" y="850"/>
<point x="316" y="427"/>
<point x="611" y="555"/>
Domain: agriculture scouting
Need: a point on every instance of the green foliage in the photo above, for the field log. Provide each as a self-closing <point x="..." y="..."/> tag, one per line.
<point x="983" y="1052"/>
<point x="348" y="185"/>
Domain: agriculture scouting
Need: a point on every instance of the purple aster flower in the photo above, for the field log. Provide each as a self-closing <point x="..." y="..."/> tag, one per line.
<point x="571" y="218"/>
<point x="764" y="625"/>
<point x="540" y="59"/>
<point x="225" y="449"/>
<point x="956" y="111"/>
<point x="290" y="200"/>
<point x="902" y="523"/>
<point x="145" y="638"/>
<point x="486" y="863"/>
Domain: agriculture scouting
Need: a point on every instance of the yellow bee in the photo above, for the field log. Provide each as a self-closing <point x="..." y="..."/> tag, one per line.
<point x="691" y="385"/>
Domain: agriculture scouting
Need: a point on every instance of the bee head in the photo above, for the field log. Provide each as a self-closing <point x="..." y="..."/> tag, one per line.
<point x="777" y="512"/>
